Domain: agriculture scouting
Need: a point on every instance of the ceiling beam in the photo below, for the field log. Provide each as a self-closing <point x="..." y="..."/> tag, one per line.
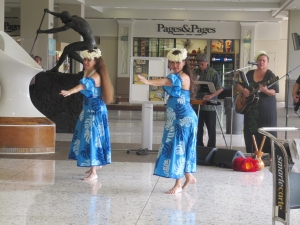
<point x="199" y="15"/>
<point x="189" y="5"/>
<point x="282" y="7"/>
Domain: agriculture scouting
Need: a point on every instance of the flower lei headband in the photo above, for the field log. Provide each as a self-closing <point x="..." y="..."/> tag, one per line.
<point x="96" y="53"/>
<point x="179" y="57"/>
<point x="259" y="54"/>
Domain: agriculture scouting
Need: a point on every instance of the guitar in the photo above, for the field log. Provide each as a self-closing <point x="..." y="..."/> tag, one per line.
<point x="243" y="104"/>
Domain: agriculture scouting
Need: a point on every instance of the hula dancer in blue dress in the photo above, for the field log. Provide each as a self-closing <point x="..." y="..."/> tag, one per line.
<point x="177" y="153"/>
<point x="91" y="140"/>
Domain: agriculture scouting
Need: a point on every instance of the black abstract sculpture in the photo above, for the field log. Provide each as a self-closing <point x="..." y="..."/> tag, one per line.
<point x="79" y="25"/>
<point x="44" y="94"/>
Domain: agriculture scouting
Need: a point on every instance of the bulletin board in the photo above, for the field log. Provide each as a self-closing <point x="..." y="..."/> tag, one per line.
<point x="151" y="68"/>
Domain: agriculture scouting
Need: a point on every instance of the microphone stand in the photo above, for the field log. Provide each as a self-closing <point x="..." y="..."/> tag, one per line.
<point x="232" y="86"/>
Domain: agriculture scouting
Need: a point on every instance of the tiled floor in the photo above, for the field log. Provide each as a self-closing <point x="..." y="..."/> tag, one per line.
<point x="48" y="189"/>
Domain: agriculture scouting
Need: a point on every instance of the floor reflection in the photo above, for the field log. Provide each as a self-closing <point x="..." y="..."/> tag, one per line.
<point x="99" y="205"/>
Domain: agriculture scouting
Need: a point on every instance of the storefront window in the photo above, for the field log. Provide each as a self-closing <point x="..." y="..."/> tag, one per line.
<point x="152" y="47"/>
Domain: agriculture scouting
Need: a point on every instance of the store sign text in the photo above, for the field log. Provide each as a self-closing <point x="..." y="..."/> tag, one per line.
<point x="185" y="30"/>
<point x="10" y="28"/>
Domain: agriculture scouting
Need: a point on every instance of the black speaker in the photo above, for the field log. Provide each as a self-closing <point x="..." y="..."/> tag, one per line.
<point x="224" y="157"/>
<point x="97" y="40"/>
<point x="296" y="41"/>
<point x="205" y="155"/>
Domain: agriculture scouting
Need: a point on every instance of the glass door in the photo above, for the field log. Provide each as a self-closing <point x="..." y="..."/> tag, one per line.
<point x="140" y="46"/>
<point x="153" y="47"/>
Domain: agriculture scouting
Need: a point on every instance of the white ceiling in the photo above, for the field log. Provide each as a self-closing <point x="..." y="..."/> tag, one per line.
<point x="204" y="10"/>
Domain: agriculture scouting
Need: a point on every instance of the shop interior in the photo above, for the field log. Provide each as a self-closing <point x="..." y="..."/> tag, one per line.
<point x="223" y="54"/>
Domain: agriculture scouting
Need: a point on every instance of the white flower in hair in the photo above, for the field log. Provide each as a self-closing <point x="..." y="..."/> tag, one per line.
<point x="258" y="54"/>
<point x="179" y="57"/>
<point x="96" y="53"/>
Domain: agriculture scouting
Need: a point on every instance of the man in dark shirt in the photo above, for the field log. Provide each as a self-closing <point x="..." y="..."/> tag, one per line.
<point x="207" y="114"/>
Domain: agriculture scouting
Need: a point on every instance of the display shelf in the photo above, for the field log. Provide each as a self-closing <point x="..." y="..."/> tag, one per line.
<point x="192" y="61"/>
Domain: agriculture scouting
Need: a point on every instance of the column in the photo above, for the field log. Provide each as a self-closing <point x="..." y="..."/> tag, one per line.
<point x="292" y="54"/>
<point x="247" y="43"/>
<point x="125" y="47"/>
<point x="31" y="14"/>
<point x="1" y="22"/>
<point x="1" y="15"/>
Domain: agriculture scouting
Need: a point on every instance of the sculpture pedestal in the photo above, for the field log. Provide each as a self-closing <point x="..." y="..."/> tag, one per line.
<point x="27" y="135"/>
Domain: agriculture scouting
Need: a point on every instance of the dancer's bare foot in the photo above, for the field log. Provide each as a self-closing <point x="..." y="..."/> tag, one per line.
<point x="189" y="180"/>
<point x="90" y="170"/>
<point x="176" y="189"/>
<point x="91" y="177"/>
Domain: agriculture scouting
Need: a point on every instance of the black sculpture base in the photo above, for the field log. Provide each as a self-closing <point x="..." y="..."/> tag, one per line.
<point x="63" y="111"/>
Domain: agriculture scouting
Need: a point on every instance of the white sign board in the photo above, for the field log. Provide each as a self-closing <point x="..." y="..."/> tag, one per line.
<point x="151" y="68"/>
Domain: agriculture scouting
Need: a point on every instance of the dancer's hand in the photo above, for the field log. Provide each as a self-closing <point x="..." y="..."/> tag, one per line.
<point x="39" y="31"/>
<point x="143" y="79"/>
<point x="46" y="10"/>
<point x="66" y="93"/>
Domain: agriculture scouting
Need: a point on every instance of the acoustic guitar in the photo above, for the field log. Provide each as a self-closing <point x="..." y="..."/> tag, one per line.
<point x="243" y="104"/>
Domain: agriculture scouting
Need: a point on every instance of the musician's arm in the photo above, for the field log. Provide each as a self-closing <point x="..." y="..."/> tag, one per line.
<point x="269" y="92"/>
<point x="217" y="92"/>
<point x="296" y="89"/>
<point x="242" y="90"/>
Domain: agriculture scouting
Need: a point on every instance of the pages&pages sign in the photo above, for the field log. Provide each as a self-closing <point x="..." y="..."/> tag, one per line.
<point x="186" y="30"/>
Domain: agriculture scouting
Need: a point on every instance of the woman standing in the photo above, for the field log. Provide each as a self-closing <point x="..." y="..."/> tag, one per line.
<point x="264" y="112"/>
<point x="91" y="140"/>
<point x="177" y="153"/>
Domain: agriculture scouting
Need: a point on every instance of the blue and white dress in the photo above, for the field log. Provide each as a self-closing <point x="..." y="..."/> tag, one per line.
<point x="91" y="140"/>
<point x="177" y="152"/>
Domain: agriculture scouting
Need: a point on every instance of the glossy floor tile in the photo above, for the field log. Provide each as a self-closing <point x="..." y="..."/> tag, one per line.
<point x="52" y="192"/>
<point x="39" y="189"/>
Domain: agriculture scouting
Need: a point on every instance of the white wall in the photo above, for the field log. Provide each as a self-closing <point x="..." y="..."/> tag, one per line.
<point x="293" y="59"/>
<point x="107" y="30"/>
<point x="104" y="27"/>
<point x="272" y="38"/>
<point x="109" y="50"/>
